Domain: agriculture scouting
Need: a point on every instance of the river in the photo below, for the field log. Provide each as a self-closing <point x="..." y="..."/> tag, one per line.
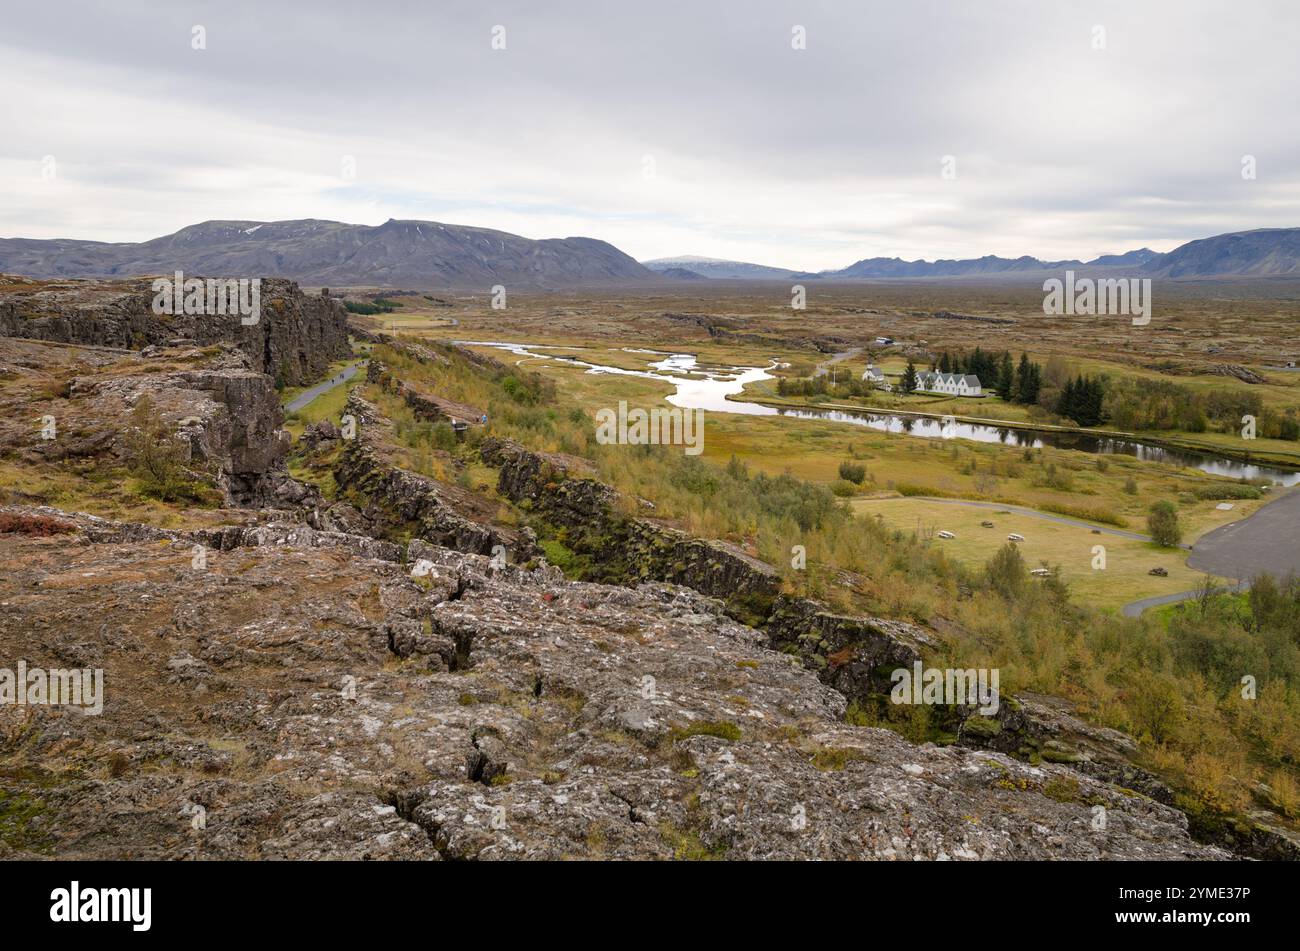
<point x="707" y="388"/>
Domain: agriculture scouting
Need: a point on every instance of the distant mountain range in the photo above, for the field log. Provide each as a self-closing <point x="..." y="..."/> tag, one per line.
<point x="1268" y="252"/>
<point x="1140" y="256"/>
<point x="971" y="267"/>
<point x="719" y="269"/>
<point x="429" y="255"/>
<point x="417" y="254"/>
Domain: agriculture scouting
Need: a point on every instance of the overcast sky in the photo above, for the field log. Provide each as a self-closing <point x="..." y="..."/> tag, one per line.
<point x="666" y="128"/>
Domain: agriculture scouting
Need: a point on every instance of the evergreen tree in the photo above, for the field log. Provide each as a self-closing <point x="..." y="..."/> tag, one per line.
<point x="908" y="383"/>
<point x="1067" y="402"/>
<point x="1090" y="408"/>
<point x="1006" y="379"/>
<point x="982" y="365"/>
<point x="1081" y="400"/>
<point x="1024" y="385"/>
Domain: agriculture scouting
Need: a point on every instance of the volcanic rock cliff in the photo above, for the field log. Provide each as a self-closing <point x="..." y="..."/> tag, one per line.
<point x="225" y="416"/>
<point x="295" y="339"/>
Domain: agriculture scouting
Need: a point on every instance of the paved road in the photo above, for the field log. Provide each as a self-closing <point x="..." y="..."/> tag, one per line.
<point x="1267" y="542"/>
<point x="306" y="396"/>
<point x="823" y="368"/>
<point x="1134" y="608"/>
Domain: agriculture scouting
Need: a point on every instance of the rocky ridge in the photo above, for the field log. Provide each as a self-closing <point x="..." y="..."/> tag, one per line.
<point x="225" y="416"/>
<point x="309" y="700"/>
<point x="295" y="339"/>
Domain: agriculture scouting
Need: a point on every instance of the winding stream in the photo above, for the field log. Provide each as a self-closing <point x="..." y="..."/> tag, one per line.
<point x="707" y="388"/>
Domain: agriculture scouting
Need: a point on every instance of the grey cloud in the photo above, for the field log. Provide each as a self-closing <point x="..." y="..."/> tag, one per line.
<point x="748" y="135"/>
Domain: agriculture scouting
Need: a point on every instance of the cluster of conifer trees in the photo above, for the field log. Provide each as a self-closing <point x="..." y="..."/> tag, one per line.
<point x="1015" y="382"/>
<point x="1081" y="400"/>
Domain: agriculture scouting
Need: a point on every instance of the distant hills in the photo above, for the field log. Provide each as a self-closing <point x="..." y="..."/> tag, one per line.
<point x="1140" y="256"/>
<point x="719" y="269"/>
<point x="419" y="254"/>
<point x="970" y="267"/>
<point x="431" y="254"/>
<point x="1268" y="252"/>
<point x="682" y="274"/>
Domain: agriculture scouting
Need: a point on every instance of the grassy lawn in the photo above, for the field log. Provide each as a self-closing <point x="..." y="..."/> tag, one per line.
<point x="414" y="321"/>
<point x="813" y="450"/>
<point x="1124" y="578"/>
<point x="103" y="491"/>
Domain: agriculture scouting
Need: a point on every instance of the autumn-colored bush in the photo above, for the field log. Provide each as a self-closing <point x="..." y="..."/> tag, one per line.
<point x="39" y="525"/>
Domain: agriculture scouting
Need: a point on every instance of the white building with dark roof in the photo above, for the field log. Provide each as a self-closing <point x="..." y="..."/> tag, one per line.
<point x="874" y="375"/>
<point x="951" y="384"/>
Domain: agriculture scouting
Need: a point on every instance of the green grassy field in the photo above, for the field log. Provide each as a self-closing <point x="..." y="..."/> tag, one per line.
<point x="1046" y="543"/>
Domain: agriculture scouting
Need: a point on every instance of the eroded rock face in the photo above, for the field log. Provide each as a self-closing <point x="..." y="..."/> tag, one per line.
<point x="226" y="414"/>
<point x="294" y="341"/>
<point x="853" y="654"/>
<point x="393" y="500"/>
<point x="629" y="548"/>
<point x="311" y="701"/>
